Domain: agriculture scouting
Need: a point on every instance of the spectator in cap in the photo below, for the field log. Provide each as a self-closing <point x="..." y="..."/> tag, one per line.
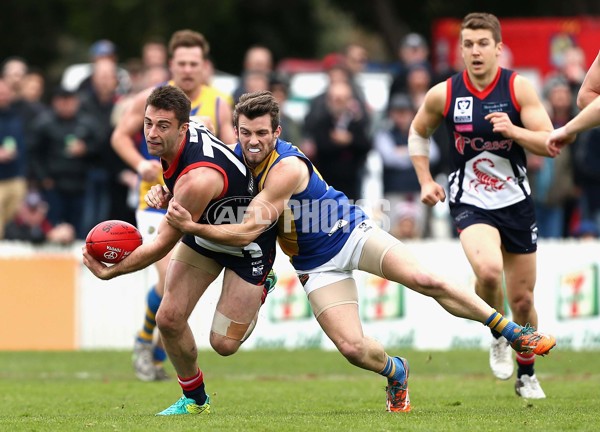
<point x="31" y="224"/>
<point x="61" y="138"/>
<point x="78" y="76"/>
<point x="412" y="51"/>
<point x="103" y="48"/>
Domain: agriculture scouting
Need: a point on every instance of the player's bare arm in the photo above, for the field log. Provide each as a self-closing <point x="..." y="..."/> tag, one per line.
<point x="226" y="131"/>
<point x="194" y="191"/>
<point x="588" y="118"/>
<point x="428" y="118"/>
<point x="288" y="177"/>
<point x="122" y="141"/>
<point x="590" y="88"/>
<point x="536" y="122"/>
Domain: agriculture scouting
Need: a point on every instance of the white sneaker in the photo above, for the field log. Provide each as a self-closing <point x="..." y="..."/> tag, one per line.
<point x="528" y="387"/>
<point x="143" y="362"/>
<point x="501" y="360"/>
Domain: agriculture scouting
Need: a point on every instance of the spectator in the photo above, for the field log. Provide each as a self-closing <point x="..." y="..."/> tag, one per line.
<point x="29" y="106"/>
<point x="572" y="69"/>
<point x="279" y="86"/>
<point x="355" y="58"/>
<point x="336" y="73"/>
<point x="586" y="157"/>
<point x="400" y="182"/>
<point x="340" y="134"/>
<point x="406" y="220"/>
<point x="413" y="50"/>
<point x="418" y="81"/>
<point x="258" y="58"/>
<point x="13" y="70"/>
<point x="77" y="77"/>
<point x="552" y="179"/>
<point x="32" y="225"/>
<point x="154" y="53"/>
<point x="12" y="157"/>
<point x="106" y="195"/>
<point x="61" y="139"/>
<point x="254" y="81"/>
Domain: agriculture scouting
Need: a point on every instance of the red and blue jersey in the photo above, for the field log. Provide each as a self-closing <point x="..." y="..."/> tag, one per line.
<point x="202" y="149"/>
<point x="489" y="170"/>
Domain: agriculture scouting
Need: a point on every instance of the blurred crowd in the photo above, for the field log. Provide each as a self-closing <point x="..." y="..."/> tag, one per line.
<point x="59" y="175"/>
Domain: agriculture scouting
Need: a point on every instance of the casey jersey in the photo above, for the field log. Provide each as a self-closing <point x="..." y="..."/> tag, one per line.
<point x="489" y="170"/>
<point x="316" y="222"/>
<point x="202" y="149"/>
<point x="206" y="104"/>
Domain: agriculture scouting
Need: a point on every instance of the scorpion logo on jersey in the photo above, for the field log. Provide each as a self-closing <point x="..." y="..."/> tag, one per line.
<point x="489" y="182"/>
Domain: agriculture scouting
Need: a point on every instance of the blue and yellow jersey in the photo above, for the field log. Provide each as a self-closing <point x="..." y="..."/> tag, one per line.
<point x="317" y="222"/>
<point x="206" y="104"/>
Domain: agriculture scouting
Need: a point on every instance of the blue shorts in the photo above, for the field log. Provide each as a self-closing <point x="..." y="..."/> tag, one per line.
<point x="516" y="223"/>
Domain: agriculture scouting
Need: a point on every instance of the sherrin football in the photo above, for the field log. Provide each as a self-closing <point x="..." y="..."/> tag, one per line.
<point x="113" y="240"/>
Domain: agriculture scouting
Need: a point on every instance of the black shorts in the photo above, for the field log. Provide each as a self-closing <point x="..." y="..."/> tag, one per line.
<point x="516" y="223"/>
<point x="251" y="264"/>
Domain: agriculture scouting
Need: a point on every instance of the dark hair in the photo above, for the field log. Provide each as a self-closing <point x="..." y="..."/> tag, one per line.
<point x="188" y="39"/>
<point x="171" y="98"/>
<point x="483" y="21"/>
<point x="257" y="104"/>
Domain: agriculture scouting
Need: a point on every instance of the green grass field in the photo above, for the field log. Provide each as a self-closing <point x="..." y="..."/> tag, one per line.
<point x="294" y="391"/>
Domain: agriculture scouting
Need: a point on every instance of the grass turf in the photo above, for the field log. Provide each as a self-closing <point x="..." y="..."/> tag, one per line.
<point x="308" y="390"/>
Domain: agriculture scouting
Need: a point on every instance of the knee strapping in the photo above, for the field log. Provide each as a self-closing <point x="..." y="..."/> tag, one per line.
<point x="231" y="329"/>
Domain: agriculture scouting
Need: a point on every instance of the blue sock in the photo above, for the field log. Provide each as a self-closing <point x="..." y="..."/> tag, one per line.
<point x="152" y="303"/>
<point x="508" y="329"/>
<point x="159" y="354"/>
<point x="394" y="369"/>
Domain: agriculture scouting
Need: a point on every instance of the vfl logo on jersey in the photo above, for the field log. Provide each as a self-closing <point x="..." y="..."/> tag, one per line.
<point x="463" y="109"/>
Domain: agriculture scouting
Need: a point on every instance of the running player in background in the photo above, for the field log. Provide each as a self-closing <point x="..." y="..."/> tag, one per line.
<point x="492" y="115"/>
<point x="212" y="183"/>
<point x="187" y="52"/>
<point x="326" y="238"/>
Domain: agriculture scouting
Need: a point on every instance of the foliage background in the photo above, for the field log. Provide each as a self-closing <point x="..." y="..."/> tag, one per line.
<point x="52" y="34"/>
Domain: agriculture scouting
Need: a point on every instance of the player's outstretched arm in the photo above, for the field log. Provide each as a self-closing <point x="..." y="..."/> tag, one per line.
<point x="588" y="118"/>
<point x="145" y="255"/>
<point x="590" y="88"/>
<point x="194" y="191"/>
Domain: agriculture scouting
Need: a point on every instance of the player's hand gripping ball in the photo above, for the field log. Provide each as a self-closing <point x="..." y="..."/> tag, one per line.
<point x="113" y="240"/>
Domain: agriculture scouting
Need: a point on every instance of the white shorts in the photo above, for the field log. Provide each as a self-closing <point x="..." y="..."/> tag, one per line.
<point x="340" y="266"/>
<point x="148" y="222"/>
